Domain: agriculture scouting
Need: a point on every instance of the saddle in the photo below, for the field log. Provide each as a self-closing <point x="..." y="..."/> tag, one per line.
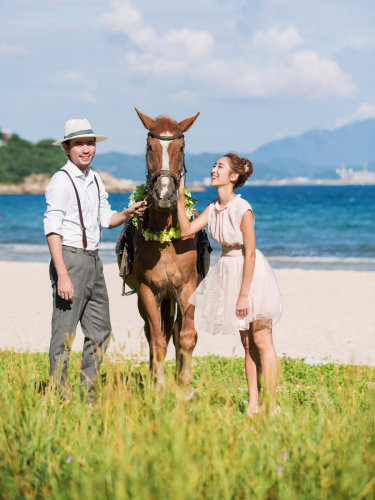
<point x="125" y="255"/>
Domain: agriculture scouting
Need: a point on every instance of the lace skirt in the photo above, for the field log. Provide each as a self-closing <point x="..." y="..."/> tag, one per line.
<point x="218" y="293"/>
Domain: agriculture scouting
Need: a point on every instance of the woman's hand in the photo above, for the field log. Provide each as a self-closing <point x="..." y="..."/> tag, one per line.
<point x="242" y="307"/>
<point x="181" y="190"/>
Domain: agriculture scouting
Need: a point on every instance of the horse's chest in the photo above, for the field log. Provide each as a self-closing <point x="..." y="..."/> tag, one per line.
<point x="164" y="275"/>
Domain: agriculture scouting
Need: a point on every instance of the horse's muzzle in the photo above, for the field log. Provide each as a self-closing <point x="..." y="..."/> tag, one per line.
<point x="167" y="201"/>
<point x="165" y="192"/>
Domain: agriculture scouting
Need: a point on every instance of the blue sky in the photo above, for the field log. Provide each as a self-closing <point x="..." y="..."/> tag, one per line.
<point x="257" y="70"/>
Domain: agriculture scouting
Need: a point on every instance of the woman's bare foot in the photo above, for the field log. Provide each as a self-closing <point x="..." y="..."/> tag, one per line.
<point x="273" y="410"/>
<point x="276" y="410"/>
<point x="252" y="410"/>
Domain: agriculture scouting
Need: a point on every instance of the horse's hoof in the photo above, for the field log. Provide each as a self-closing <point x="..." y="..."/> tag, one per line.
<point x="186" y="393"/>
<point x="160" y="389"/>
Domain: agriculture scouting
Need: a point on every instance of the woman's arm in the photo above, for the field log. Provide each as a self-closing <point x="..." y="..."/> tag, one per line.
<point x="247" y="228"/>
<point x="188" y="228"/>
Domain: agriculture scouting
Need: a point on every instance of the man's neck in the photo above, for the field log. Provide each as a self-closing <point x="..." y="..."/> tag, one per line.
<point x="84" y="170"/>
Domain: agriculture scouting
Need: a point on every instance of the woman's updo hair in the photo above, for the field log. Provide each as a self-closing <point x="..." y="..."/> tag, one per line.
<point x="241" y="166"/>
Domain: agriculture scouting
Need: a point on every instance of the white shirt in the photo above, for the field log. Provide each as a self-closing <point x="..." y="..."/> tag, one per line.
<point x="62" y="216"/>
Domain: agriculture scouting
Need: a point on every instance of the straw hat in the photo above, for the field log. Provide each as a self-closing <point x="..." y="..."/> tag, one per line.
<point x="78" y="128"/>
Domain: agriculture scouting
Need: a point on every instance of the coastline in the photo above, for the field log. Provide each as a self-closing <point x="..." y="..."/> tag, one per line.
<point x="124" y="187"/>
<point x="327" y="313"/>
<point x="20" y="252"/>
<point x="37" y="183"/>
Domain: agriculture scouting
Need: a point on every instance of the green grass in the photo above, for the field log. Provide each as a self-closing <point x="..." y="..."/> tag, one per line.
<point x="134" y="445"/>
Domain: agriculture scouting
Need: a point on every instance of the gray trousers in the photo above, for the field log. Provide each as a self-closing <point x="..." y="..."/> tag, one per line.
<point x="90" y="306"/>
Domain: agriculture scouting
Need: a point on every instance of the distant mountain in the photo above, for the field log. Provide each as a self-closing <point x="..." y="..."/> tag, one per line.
<point x="121" y="165"/>
<point x="199" y="166"/>
<point x="133" y="166"/>
<point x="352" y="144"/>
<point x="315" y="154"/>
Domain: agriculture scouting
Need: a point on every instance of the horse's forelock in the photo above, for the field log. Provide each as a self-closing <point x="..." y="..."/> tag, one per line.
<point x="165" y="124"/>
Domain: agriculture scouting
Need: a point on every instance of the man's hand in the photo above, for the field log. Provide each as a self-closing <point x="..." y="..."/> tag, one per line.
<point x="65" y="289"/>
<point x="136" y="209"/>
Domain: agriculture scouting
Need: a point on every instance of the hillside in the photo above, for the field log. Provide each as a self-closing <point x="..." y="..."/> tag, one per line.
<point x="315" y="154"/>
<point x="20" y="158"/>
<point x="352" y="144"/>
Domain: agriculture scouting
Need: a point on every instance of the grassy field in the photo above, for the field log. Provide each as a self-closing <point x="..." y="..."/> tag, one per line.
<point x="134" y="445"/>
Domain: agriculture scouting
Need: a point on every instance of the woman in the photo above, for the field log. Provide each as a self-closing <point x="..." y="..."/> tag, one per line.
<point x="241" y="291"/>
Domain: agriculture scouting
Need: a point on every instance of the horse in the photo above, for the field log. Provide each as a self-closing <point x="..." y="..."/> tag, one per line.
<point x="166" y="273"/>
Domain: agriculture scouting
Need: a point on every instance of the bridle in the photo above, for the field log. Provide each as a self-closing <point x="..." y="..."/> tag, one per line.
<point x="150" y="179"/>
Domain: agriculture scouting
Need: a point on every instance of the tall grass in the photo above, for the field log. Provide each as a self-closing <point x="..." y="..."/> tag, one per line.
<point x="132" y="444"/>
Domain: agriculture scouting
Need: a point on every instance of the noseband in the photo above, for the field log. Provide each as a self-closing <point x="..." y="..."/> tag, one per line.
<point x="163" y="173"/>
<point x="165" y="137"/>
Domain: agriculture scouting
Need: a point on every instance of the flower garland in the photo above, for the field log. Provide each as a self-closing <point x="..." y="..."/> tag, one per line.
<point x="140" y="194"/>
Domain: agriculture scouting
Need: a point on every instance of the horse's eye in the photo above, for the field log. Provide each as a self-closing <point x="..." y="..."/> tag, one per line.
<point x="149" y="148"/>
<point x="182" y="149"/>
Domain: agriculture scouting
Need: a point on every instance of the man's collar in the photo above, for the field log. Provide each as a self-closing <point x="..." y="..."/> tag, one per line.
<point x="76" y="171"/>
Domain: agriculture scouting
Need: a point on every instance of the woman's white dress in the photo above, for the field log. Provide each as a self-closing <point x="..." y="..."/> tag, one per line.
<point x="218" y="293"/>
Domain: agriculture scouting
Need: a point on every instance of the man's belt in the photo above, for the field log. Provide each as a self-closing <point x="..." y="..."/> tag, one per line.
<point x="84" y="251"/>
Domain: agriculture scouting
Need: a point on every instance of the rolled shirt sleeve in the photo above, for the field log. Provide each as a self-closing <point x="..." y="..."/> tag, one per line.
<point x="105" y="208"/>
<point x="57" y="196"/>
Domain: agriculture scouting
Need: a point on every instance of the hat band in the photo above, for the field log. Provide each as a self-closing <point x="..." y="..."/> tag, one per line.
<point x="80" y="132"/>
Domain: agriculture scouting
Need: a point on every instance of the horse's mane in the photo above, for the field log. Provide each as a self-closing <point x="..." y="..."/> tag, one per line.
<point x="165" y="124"/>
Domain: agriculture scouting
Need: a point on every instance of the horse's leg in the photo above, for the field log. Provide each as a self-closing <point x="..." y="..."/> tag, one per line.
<point x="157" y="342"/>
<point x="142" y="312"/>
<point x="176" y="338"/>
<point x="166" y="319"/>
<point x="188" y="334"/>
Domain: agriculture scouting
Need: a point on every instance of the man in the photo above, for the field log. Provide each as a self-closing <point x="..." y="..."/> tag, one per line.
<point x="76" y="200"/>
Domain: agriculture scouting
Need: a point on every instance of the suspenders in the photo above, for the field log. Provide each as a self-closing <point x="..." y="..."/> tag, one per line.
<point x="84" y="239"/>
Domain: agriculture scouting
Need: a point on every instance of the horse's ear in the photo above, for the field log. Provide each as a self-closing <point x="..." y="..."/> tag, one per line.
<point x="186" y="124"/>
<point x="148" y="122"/>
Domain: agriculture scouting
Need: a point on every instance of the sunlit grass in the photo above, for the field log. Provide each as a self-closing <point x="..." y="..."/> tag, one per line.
<point x="133" y="444"/>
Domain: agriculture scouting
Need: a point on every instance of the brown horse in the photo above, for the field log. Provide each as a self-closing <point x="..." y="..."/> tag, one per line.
<point x="166" y="273"/>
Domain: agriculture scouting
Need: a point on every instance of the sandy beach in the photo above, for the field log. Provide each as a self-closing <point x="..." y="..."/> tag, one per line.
<point x="327" y="314"/>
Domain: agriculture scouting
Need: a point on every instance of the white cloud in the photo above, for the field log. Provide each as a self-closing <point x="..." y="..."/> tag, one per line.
<point x="281" y="134"/>
<point x="364" y="112"/>
<point x="11" y="50"/>
<point x="266" y="65"/>
<point x="76" y="79"/>
<point x="363" y="42"/>
<point x="320" y="76"/>
<point x="84" y="96"/>
<point x="275" y="40"/>
<point x="184" y="95"/>
<point x="173" y="44"/>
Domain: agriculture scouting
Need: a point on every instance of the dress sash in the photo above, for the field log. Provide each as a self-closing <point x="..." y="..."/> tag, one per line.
<point x="236" y="251"/>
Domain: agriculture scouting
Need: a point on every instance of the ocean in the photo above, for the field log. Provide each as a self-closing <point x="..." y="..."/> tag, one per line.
<point x="310" y="227"/>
